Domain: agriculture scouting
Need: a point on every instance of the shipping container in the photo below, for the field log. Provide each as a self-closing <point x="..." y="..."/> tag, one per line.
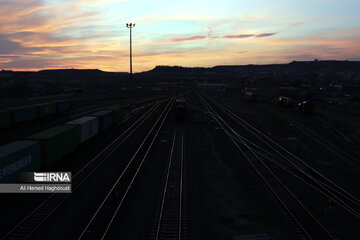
<point x="105" y="119"/>
<point x="118" y="113"/>
<point x="19" y="156"/>
<point x="87" y="127"/>
<point x="56" y="143"/>
<point x="63" y="106"/>
<point x="23" y="114"/>
<point x="46" y="109"/>
<point x="5" y="119"/>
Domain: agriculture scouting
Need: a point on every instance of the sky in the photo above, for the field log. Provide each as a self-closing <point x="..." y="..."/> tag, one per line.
<point x="92" y="34"/>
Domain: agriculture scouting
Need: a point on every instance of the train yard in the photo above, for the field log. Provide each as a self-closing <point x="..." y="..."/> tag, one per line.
<point x="217" y="167"/>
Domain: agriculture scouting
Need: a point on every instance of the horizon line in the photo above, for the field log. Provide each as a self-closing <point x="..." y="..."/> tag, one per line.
<point x="230" y="65"/>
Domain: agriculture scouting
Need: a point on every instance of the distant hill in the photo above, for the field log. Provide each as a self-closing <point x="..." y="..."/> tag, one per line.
<point x="230" y="68"/>
<point x="78" y="73"/>
<point x="177" y="69"/>
<point x="65" y="71"/>
<point x="219" y="68"/>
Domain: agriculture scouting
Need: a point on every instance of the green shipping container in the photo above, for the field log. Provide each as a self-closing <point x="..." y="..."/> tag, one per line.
<point x="5" y="119"/>
<point x="56" y="143"/>
<point x="118" y="112"/>
<point x="19" y="156"/>
<point x="46" y="109"/>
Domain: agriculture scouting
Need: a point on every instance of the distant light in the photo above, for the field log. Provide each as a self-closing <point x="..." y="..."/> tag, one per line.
<point x="177" y="99"/>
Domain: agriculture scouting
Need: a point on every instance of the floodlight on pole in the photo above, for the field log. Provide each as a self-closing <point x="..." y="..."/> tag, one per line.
<point x="131" y="26"/>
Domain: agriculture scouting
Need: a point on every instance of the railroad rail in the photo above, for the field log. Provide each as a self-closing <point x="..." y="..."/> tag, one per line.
<point x="170" y="222"/>
<point x="353" y="147"/>
<point x="17" y="132"/>
<point x="299" y="168"/>
<point x="103" y="220"/>
<point x="29" y="224"/>
<point x="346" y="157"/>
<point x="301" y="219"/>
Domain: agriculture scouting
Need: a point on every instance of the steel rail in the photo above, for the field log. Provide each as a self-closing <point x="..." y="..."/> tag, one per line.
<point x="53" y="203"/>
<point x="258" y="135"/>
<point x="83" y="233"/>
<point x="288" y="207"/>
<point x="323" y="142"/>
<point x="165" y="187"/>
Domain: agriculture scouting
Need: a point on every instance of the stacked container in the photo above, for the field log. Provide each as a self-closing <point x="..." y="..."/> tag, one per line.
<point x="23" y="114"/>
<point x="118" y="113"/>
<point x="87" y="127"/>
<point x="63" y="106"/>
<point x="105" y="119"/>
<point x="56" y="143"/>
<point x="46" y="109"/>
<point x="19" y="156"/>
<point x="5" y="119"/>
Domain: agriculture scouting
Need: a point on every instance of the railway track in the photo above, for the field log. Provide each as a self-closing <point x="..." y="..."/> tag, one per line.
<point x="348" y="142"/>
<point x="29" y="128"/>
<point x="170" y="222"/>
<point x="350" y="159"/>
<point x="32" y="222"/>
<point x="300" y="217"/>
<point x="102" y="224"/>
<point x="297" y="167"/>
<point x="351" y="152"/>
<point x="89" y="109"/>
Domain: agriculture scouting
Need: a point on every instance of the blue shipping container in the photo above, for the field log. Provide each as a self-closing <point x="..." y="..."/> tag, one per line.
<point x="17" y="157"/>
<point x="63" y="106"/>
<point x="105" y="119"/>
<point x="24" y="114"/>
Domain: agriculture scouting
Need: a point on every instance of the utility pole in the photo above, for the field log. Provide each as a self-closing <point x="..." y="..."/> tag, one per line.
<point x="131" y="26"/>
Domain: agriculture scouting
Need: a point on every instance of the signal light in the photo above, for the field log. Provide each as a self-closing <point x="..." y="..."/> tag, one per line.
<point x="177" y="99"/>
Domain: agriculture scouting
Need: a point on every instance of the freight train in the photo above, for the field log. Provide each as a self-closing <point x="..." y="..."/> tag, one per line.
<point x="285" y="101"/>
<point x="44" y="149"/>
<point x="14" y="116"/>
<point x="180" y="108"/>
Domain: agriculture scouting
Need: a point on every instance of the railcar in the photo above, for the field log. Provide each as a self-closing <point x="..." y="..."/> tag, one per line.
<point x="180" y="108"/>
<point x="47" y="148"/>
<point x="305" y="107"/>
<point x="19" y="115"/>
<point x="285" y="101"/>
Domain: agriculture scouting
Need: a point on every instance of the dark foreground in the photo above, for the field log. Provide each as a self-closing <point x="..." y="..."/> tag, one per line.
<point x="205" y="175"/>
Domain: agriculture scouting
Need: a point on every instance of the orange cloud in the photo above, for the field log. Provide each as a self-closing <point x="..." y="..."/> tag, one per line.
<point x="40" y="36"/>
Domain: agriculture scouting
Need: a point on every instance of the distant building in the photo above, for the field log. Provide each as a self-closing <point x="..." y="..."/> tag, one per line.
<point x="337" y="87"/>
<point x="217" y="87"/>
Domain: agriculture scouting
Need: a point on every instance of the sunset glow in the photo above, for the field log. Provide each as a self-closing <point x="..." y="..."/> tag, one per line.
<point x="48" y="34"/>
